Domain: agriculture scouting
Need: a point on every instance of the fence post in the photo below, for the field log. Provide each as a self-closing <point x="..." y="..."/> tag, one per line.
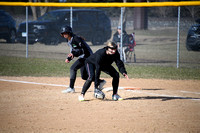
<point x="121" y="39"/>
<point x="178" y="38"/>
<point x="26" y="31"/>
<point x="71" y="17"/>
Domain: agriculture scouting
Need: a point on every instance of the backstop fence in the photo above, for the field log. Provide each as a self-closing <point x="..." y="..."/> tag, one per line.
<point x="165" y="33"/>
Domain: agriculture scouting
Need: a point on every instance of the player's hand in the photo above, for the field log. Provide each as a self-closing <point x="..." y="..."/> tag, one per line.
<point x="69" y="58"/>
<point x="126" y="76"/>
<point x="67" y="61"/>
<point x="71" y="55"/>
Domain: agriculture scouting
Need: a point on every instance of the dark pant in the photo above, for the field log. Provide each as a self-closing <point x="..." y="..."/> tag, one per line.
<point x="78" y="64"/>
<point x="110" y="70"/>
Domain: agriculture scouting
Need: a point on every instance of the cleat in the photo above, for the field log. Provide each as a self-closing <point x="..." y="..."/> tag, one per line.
<point x="116" y="97"/>
<point x="81" y="98"/>
<point x="68" y="90"/>
<point x="101" y="84"/>
<point x="99" y="94"/>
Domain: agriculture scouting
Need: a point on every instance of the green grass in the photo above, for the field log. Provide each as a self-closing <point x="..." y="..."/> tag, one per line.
<point x="160" y="72"/>
<point x="17" y="66"/>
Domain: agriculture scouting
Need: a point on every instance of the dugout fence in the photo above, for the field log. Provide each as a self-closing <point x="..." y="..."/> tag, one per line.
<point x="160" y="30"/>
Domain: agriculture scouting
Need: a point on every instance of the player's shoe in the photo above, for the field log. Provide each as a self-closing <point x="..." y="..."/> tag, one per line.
<point x="68" y="90"/>
<point x="116" y="97"/>
<point x="81" y="98"/>
<point x="102" y="83"/>
<point x="98" y="94"/>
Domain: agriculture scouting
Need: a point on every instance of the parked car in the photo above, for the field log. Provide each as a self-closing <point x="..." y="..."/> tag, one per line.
<point x="92" y="24"/>
<point x="7" y="27"/>
<point x="193" y="37"/>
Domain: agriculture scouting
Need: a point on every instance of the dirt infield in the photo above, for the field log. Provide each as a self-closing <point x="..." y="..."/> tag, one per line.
<point x="160" y="106"/>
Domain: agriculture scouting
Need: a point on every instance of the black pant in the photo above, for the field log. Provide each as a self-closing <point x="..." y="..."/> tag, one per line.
<point x="78" y="64"/>
<point x="110" y="70"/>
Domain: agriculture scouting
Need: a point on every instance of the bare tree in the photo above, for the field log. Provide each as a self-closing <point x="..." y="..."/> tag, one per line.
<point x="140" y="17"/>
<point x="194" y="11"/>
<point x="163" y="11"/>
<point x="33" y="8"/>
<point x="124" y="17"/>
<point x="38" y="11"/>
<point x="43" y="10"/>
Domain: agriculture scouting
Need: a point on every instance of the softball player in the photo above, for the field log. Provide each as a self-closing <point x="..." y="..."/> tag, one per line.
<point x="78" y="48"/>
<point x="102" y="61"/>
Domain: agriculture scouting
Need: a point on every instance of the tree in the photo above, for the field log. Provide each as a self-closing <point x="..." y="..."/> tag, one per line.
<point x="194" y="11"/>
<point x="38" y="11"/>
<point x="140" y="17"/>
<point x="124" y="17"/>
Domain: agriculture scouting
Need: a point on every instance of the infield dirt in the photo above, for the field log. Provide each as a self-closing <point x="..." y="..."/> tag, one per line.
<point x="160" y="106"/>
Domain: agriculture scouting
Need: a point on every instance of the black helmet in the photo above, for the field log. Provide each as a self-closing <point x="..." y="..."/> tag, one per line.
<point x="66" y="29"/>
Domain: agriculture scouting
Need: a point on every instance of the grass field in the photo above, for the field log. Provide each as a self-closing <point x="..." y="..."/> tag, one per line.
<point x="19" y="66"/>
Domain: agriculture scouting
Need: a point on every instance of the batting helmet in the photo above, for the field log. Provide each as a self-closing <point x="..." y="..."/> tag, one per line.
<point x="66" y="29"/>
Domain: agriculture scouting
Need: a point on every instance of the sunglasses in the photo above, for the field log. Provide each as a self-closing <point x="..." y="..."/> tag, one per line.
<point x="112" y="48"/>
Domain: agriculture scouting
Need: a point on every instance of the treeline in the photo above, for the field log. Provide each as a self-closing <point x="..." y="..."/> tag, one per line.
<point x="164" y="12"/>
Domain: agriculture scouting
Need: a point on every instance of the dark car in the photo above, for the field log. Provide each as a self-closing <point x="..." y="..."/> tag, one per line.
<point x="7" y="27"/>
<point x="193" y="37"/>
<point x="92" y="24"/>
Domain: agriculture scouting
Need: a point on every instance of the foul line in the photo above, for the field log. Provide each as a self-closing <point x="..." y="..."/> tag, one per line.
<point x="26" y="82"/>
<point x="190" y="92"/>
<point x="107" y="89"/>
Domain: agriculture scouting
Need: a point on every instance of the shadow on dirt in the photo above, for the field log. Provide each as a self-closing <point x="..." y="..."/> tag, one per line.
<point x="163" y="98"/>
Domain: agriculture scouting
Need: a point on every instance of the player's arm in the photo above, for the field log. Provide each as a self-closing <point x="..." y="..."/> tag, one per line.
<point x="125" y="75"/>
<point x="79" y="49"/>
<point x="77" y="52"/>
<point x="69" y="58"/>
<point x="74" y="53"/>
<point x="121" y="66"/>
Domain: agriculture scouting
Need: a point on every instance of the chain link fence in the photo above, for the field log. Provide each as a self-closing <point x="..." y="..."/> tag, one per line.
<point x="154" y="28"/>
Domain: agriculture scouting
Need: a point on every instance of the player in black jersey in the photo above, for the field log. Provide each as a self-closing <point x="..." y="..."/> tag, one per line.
<point x="102" y="60"/>
<point x="78" y="48"/>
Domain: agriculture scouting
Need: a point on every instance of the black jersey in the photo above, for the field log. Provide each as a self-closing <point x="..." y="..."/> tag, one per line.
<point x="101" y="60"/>
<point x="78" y="47"/>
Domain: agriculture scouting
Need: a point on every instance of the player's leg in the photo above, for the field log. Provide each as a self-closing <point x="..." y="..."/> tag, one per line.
<point x="91" y="71"/>
<point x="115" y="82"/>
<point x="73" y="72"/>
<point x="110" y="70"/>
<point x="101" y="84"/>
<point x="84" y="76"/>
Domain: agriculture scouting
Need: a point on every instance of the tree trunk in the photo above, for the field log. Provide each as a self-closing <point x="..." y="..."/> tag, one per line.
<point x="140" y="17"/>
<point x="38" y="11"/>
<point x="43" y="10"/>
<point x="124" y="17"/>
<point x="33" y="8"/>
